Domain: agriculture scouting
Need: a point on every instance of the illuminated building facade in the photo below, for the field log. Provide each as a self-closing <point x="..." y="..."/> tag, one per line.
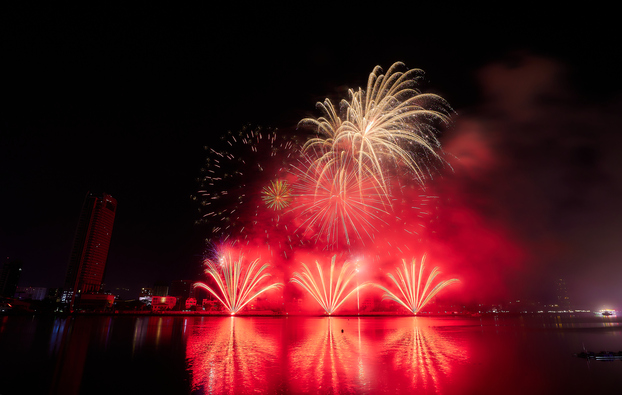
<point x="162" y="303"/>
<point x="87" y="262"/>
<point x="33" y="293"/>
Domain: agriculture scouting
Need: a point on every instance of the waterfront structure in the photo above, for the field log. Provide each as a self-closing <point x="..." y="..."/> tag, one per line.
<point x="182" y="290"/>
<point x="88" y="258"/>
<point x="32" y="293"/>
<point x="95" y="302"/>
<point x="145" y="295"/>
<point x="162" y="303"/>
<point x="9" y="277"/>
<point x="191" y="303"/>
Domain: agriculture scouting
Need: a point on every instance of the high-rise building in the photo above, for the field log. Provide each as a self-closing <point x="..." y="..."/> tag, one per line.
<point x="563" y="300"/>
<point x="9" y="277"/>
<point x="87" y="262"/>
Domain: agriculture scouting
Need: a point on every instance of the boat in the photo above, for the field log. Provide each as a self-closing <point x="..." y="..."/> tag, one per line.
<point x="601" y="356"/>
<point x="606" y="313"/>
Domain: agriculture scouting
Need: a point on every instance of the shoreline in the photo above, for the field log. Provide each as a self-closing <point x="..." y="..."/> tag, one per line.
<point x="281" y="315"/>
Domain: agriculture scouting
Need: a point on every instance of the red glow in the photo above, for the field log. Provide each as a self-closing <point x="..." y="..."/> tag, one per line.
<point x="323" y="355"/>
<point x="231" y="354"/>
<point x="385" y="199"/>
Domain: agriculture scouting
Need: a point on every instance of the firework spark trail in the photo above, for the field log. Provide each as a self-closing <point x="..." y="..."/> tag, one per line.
<point x="413" y="296"/>
<point x="232" y="187"/>
<point x="334" y="205"/>
<point x="236" y="288"/>
<point x="330" y="300"/>
<point x="383" y="125"/>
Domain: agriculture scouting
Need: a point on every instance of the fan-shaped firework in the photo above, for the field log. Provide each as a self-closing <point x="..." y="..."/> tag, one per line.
<point x="237" y="285"/>
<point x="332" y="298"/>
<point x="391" y="123"/>
<point x="232" y="183"/>
<point x="277" y="195"/>
<point x="411" y="293"/>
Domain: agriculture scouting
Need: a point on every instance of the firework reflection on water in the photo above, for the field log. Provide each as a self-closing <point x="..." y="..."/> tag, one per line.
<point x="231" y="355"/>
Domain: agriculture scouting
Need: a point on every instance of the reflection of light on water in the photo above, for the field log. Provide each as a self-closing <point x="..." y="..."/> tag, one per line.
<point x="330" y="360"/>
<point x="423" y="353"/>
<point x="57" y="335"/>
<point x="230" y="355"/>
<point x="140" y="331"/>
<point x="106" y="331"/>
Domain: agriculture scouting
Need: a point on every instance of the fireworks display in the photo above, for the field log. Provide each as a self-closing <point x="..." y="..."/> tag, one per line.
<point x="238" y="285"/>
<point x="243" y="184"/>
<point x="356" y="187"/>
<point x="414" y="295"/>
<point x="277" y="195"/>
<point x="389" y="126"/>
<point x="336" y="208"/>
<point x="330" y="298"/>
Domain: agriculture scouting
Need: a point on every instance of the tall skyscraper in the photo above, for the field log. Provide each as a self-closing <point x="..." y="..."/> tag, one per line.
<point x="563" y="300"/>
<point x="9" y="277"/>
<point x="87" y="262"/>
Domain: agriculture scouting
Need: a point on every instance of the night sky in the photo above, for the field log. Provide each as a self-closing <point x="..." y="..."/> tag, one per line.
<point x="122" y="100"/>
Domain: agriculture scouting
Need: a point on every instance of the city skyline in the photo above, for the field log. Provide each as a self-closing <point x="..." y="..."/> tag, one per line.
<point x="534" y="134"/>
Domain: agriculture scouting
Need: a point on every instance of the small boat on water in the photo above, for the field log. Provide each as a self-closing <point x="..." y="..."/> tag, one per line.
<point x="601" y="356"/>
<point x="610" y="313"/>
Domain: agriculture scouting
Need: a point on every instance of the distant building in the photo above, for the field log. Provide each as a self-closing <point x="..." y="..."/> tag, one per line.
<point x="9" y="277"/>
<point x="191" y="303"/>
<point x="54" y="294"/>
<point x="95" y="302"/>
<point x="32" y="293"/>
<point x="160" y="289"/>
<point x="162" y="303"/>
<point x="87" y="262"/>
<point x="182" y="290"/>
<point x="563" y="300"/>
<point x="145" y="295"/>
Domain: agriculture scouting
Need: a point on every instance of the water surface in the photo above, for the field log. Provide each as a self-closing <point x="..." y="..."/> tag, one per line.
<point x="301" y="355"/>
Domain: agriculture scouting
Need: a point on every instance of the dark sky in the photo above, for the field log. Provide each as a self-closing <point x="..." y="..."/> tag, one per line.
<point x="122" y="99"/>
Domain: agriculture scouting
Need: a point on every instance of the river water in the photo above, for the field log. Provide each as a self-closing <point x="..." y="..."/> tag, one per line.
<point x="307" y="355"/>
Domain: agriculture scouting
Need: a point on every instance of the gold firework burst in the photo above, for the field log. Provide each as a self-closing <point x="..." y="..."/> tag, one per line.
<point x="391" y="123"/>
<point x="277" y="195"/>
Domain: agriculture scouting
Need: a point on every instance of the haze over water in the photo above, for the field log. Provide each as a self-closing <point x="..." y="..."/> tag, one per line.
<point x="209" y="354"/>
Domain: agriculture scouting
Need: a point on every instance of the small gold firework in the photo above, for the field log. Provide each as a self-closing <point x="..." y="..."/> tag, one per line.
<point x="277" y="195"/>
